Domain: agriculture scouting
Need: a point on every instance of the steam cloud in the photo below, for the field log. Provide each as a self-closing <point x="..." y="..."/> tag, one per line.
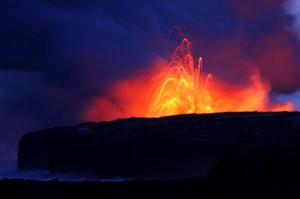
<point x="56" y="55"/>
<point x="293" y="8"/>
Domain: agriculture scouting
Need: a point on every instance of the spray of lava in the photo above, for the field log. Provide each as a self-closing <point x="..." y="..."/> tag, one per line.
<point x="182" y="88"/>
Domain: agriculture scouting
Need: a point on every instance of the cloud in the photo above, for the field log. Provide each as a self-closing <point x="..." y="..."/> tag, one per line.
<point x="256" y="8"/>
<point x="56" y="56"/>
<point x="293" y="8"/>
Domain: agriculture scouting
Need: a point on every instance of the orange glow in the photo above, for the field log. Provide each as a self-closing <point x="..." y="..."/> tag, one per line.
<point x="181" y="88"/>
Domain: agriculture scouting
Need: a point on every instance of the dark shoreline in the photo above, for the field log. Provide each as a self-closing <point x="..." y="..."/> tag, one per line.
<point x="252" y="187"/>
<point x="226" y="155"/>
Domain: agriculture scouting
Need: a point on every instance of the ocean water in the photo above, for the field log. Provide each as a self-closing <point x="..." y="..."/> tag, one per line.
<point x="8" y="170"/>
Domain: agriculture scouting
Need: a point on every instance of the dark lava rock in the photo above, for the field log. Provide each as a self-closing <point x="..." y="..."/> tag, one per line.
<point x="222" y="146"/>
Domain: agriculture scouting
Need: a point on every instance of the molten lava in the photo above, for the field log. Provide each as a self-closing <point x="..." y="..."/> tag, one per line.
<point x="182" y="88"/>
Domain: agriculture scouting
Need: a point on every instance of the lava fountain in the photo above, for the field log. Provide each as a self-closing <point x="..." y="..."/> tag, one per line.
<point x="181" y="87"/>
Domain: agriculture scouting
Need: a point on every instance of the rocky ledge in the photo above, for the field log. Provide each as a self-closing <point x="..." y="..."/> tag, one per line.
<point x="219" y="145"/>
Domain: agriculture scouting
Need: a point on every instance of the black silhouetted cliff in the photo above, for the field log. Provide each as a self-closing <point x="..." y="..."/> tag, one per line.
<point x="219" y="145"/>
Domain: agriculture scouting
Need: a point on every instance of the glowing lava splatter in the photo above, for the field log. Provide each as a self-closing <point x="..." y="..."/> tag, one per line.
<point x="182" y="88"/>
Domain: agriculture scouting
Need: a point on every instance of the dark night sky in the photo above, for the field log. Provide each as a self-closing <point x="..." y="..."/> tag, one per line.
<point x="56" y="55"/>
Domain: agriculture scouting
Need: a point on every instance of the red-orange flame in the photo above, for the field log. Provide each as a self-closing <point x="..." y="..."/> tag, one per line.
<point x="182" y="88"/>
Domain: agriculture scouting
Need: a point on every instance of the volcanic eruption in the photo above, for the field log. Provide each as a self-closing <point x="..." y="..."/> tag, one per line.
<point x="181" y="87"/>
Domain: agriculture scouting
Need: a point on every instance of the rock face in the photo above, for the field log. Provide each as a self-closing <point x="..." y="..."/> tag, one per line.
<point x="218" y="145"/>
